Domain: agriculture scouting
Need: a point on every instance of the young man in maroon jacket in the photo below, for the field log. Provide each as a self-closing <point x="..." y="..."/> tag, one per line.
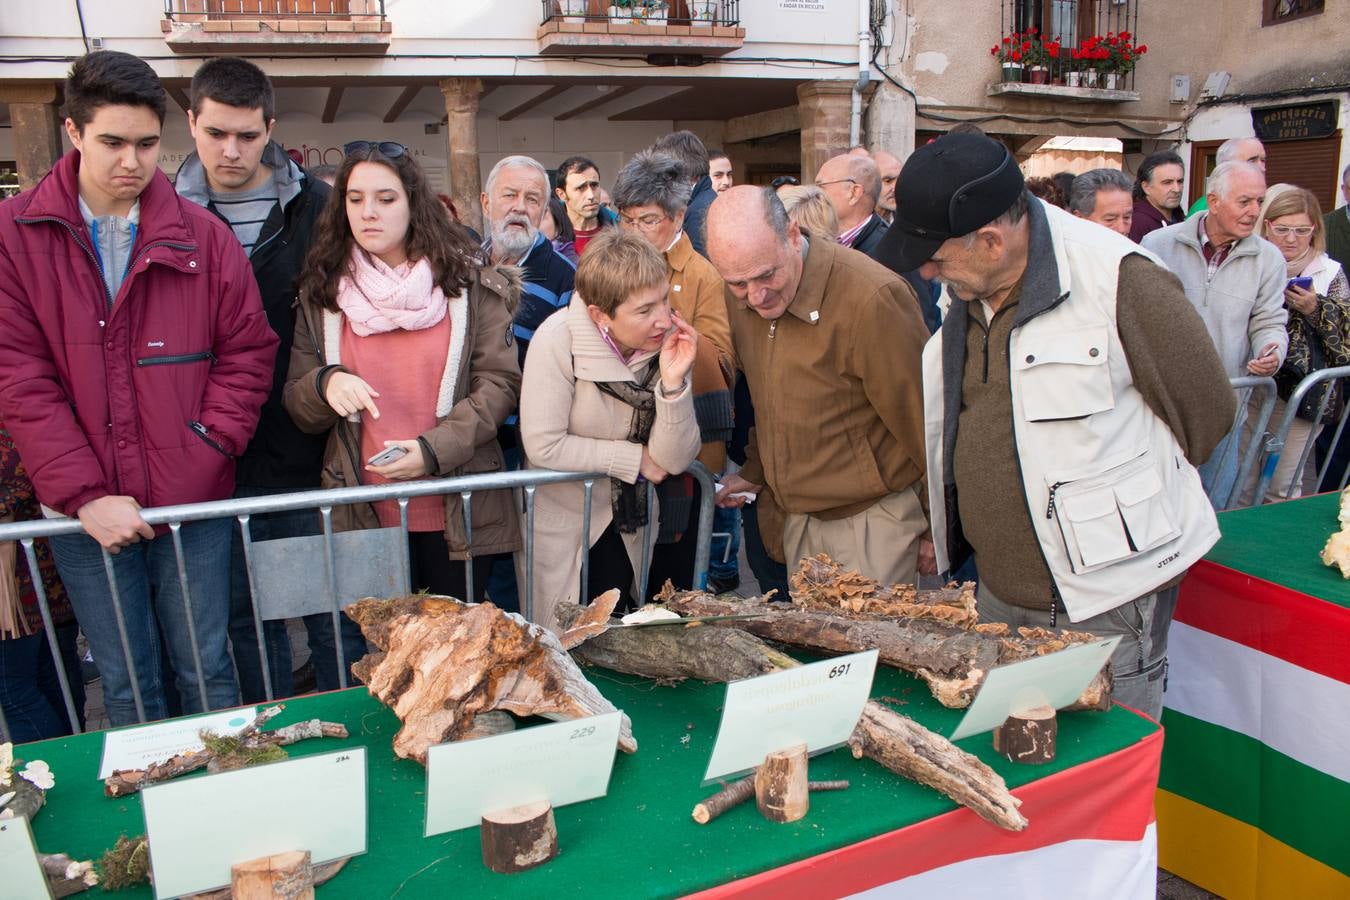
<point x="133" y="361"/>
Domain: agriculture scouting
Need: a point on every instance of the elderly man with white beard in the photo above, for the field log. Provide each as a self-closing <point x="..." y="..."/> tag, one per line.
<point x="515" y="200"/>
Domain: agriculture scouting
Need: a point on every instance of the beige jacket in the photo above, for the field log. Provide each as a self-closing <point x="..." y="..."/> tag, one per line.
<point x="698" y="294"/>
<point x="478" y="390"/>
<point x="567" y="423"/>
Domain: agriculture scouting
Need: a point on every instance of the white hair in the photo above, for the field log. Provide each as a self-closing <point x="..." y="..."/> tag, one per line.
<point x="524" y="162"/>
<point x="1218" y="183"/>
<point x="1229" y="150"/>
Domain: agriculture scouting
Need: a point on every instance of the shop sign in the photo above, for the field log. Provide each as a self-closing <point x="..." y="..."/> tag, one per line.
<point x="1299" y="122"/>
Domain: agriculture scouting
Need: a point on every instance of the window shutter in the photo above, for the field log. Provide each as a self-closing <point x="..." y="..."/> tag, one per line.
<point x="1309" y="164"/>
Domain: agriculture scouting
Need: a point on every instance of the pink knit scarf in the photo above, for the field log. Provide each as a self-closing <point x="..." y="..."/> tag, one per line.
<point x="376" y="298"/>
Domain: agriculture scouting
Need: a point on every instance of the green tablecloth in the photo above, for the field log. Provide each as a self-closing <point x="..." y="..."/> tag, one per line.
<point x="639" y="840"/>
<point x="1280" y="543"/>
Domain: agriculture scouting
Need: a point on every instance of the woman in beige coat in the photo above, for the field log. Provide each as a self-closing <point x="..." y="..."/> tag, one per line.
<point x="606" y="389"/>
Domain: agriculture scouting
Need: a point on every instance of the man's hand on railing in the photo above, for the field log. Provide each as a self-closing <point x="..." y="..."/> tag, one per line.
<point x="115" y="522"/>
<point x="732" y="485"/>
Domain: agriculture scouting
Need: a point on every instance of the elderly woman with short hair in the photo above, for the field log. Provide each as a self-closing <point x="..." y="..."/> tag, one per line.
<point x="651" y="193"/>
<point x="606" y="389"/>
<point x="813" y="212"/>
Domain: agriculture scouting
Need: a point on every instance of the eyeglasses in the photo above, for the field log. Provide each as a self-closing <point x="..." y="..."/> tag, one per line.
<point x="837" y="181"/>
<point x="1286" y="230"/>
<point x="388" y="149"/>
<point x="646" y="223"/>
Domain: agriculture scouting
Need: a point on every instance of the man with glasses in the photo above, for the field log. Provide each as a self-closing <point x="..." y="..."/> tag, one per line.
<point x="829" y="342"/>
<point x="853" y="184"/>
<point x="272" y="205"/>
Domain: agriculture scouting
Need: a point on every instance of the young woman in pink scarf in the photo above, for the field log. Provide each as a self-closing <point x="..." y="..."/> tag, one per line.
<point x="403" y="354"/>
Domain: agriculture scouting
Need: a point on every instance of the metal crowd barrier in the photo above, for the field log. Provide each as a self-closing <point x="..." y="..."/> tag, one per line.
<point x="1245" y="386"/>
<point x="1274" y="446"/>
<point x="241" y="509"/>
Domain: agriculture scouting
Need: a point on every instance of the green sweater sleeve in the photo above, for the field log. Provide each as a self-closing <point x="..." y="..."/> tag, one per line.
<point x="1172" y="357"/>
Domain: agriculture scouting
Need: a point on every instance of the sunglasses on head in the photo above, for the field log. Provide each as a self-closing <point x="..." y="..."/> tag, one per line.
<point x="782" y="180"/>
<point x="388" y="149"/>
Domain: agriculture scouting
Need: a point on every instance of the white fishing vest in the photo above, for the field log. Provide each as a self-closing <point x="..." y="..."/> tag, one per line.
<point x="1117" y="509"/>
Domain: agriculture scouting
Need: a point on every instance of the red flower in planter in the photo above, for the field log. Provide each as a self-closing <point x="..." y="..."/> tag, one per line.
<point x="1007" y="40"/>
<point x="1141" y="49"/>
<point x="1017" y="55"/>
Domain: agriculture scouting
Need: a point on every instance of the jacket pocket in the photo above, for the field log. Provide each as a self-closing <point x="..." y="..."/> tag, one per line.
<point x="1110" y="517"/>
<point x="176" y="359"/>
<point x="1064" y="375"/>
<point x="204" y="433"/>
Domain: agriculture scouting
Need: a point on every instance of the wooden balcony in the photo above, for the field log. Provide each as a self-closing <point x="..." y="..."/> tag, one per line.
<point x="321" y="27"/>
<point x="683" y="31"/>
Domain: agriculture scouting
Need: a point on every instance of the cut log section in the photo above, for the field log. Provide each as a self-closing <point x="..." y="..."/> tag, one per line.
<point x="442" y="662"/>
<point x="952" y="660"/>
<point x="907" y="748"/>
<point x="738" y="792"/>
<point x="781" y="787"/>
<point x="281" y="876"/>
<point x="1028" y="736"/>
<point x="519" y="838"/>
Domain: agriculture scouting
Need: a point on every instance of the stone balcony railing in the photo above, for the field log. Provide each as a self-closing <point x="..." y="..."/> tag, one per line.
<point x="327" y="27"/>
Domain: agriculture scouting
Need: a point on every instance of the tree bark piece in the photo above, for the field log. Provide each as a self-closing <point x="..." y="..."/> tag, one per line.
<point x="907" y="748"/>
<point x="780" y="785"/>
<point x="442" y="662"/>
<point x="66" y="876"/>
<point x="281" y="876"/>
<point x="951" y="660"/>
<point x="897" y="742"/>
<point x="249" y="742"/>
<point x="738" y="792"/>
<point x="519" y="838"/>
<point x="585" y="622"/>
<point x="1028" y="736"/>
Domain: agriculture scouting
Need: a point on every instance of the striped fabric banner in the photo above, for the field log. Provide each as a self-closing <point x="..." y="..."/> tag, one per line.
<point x="1254" y="796"/>
<point x="1105" y="848"/>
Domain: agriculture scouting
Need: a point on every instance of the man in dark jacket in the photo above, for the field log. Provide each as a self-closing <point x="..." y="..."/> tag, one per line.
<point x="134" y="358"/>
<point x="686" y="147"/>
<point x="272" y="206"/>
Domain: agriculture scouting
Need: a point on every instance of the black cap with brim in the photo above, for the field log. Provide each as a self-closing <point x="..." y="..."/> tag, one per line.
<point x="948" y="188"/>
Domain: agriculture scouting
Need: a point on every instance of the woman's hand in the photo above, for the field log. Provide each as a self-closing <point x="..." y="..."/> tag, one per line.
<point x="348" y="394"/>
<point x="649" y="470"/>
<point x="411" y="465"/>
<point x="677" y="354"/>
<point x="1300" y="300"/>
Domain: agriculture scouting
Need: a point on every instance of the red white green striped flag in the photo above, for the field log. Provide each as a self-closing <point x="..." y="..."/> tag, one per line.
<point x="1254" y="796"/>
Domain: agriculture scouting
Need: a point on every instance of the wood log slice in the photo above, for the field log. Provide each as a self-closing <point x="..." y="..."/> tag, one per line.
<point x="519" y="838"/>
<point x="281" y="876"/>
<point x="1028" y="736"/>
<point x="781" y="790"/>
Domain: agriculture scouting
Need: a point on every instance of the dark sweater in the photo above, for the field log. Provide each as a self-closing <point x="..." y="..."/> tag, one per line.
<point x="1173" y="364"/>
<point x="1338" y="236"/>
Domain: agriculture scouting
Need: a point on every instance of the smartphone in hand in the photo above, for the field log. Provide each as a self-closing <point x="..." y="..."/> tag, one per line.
<point x="1303" y="283"/>
<point x="386" y="456"/>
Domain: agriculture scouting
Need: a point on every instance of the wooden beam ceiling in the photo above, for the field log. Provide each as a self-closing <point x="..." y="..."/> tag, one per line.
<point x="331" y="107"/>
<point x="599" y="100"/>
<point x="179" y="96"/>
<point x="534" y="101"/>
<point x="404" y="98"/>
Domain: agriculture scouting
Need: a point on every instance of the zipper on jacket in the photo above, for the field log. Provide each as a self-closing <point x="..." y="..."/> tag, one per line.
<point x="205" y="435"/>
<point x="773" y="327"/>
<point x="1050" y="508"/>
<point x="174" y="360"/>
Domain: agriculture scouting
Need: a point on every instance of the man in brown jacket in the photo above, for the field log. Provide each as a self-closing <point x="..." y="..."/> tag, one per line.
<point x="830" y="343"/>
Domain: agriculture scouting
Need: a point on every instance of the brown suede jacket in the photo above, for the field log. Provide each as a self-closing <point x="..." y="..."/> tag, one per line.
<point x="463" y="442"/>
<point x="836" y="383"/>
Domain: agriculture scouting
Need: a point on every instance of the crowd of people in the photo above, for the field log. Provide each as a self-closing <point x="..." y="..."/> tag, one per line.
<point x="899" y="365"/>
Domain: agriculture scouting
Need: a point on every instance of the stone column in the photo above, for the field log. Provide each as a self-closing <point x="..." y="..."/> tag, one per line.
<point x="36" y="127"/>
<point x="461" y="110"/>
<point x="890" y="122"/>
<point x="824" y="108"/>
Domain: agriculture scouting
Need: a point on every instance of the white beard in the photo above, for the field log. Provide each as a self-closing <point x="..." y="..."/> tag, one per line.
<point x="510" y="242"/>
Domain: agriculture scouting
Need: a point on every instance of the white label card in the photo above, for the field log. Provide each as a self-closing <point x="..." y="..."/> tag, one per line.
<point x="20" y="873"/>
<point x="1054" y="680"/>
<point x="560" y="763"/>
<point x="140" y="748"/>
<point x="817" y="704"/>
<point x="199" y="827"/>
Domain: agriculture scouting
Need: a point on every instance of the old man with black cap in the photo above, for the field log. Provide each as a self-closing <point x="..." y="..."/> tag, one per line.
<point x="1068" y="397"/>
